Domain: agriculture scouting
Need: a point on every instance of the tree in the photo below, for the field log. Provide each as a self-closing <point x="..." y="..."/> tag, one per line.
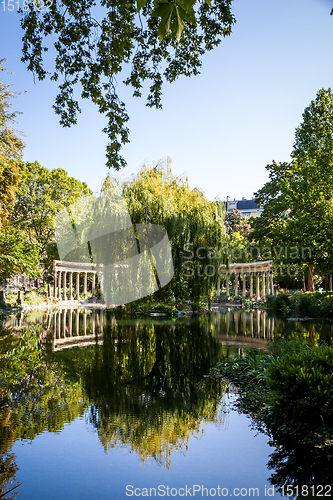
<point x="298" y="199"/>
<point x="41" y="195"/>
<point x="153" y="40"/>
<point x="235" y="222"/>
<point x="11" y="147"/>
<point x="195" y="228"/>
<point x="17" y="254"/>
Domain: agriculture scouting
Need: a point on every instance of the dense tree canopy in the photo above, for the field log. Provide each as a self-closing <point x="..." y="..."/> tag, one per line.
<point x="17" y="254"/>
<point x="195" y="227"/>
<point x="97" y="41"/>
<point x="11" y="146"/>
<point x="298" y="199"/>
<point x="43" y="193"/>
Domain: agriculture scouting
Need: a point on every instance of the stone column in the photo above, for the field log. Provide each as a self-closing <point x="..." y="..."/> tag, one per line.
<point x="77" y="286"/>
<point x="70" y="286"/>
<point x="257" y="286"/>
<point x="236" y="321"/>
<point x="65" y="285"/>
<point x="227" y="286"/>
<point x="70" y="321"/>
<point x="272" y="285"/>
<point x="244" y="322"/>
<point x="85" y="286"/>
<point x="251" y="286"/>
<point x="258" y="322"/>
<point x="93" y="321"/>
<point x="272" y="329"/>
<point x="85" y="320"/>
<point x="50" y="319"/>
<point x="244" y="285"/>
<point x="77" y="322"/>
<point x="251" y="322"/>
<point x="264" y="324"/>
<point x="101" y="321"/>
<point x="268" y="328"/>
<point x="236" y="285"/>
<point x="55" y="324"/>
<point x="64" y="314"/>
<point x="263" y="274"/>
<point x="59" y="285"/>
<point x="59" y="325"/>
<point x="101" y="284"/>
<point x="55" y="284"/>
<point x="93" y="286"/>
<point x="268" y="283"/>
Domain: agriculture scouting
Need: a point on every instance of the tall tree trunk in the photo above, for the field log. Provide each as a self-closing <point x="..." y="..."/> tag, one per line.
<point x="310" y="278"/>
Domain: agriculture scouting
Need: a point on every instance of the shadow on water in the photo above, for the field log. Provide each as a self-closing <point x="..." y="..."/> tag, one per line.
<point x="142" y="384"/>
<point x="302" y="468"/>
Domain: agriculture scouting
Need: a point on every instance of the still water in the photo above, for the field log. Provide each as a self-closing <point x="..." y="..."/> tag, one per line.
<point x="108" y="408"/>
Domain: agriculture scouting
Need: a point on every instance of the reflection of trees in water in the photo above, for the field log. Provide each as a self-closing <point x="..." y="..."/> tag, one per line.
<point x="34" y="397"/>
<point x="8" y="466"/>
<point x="148" y="388"/>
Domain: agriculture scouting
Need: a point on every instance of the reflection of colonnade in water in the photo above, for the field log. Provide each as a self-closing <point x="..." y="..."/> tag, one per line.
<point x="64" y="274"/>
<point x="255" y="324"/>
<point x="76" y="327"/>
<point x="249" y="270"/>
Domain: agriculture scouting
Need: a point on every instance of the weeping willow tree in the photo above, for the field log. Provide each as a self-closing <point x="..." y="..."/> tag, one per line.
<point x="195" y="227"/>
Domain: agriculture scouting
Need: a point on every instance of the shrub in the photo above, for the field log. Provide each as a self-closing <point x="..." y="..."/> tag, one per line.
<point x="301" y="387"/>
<point x="282" y="303"/>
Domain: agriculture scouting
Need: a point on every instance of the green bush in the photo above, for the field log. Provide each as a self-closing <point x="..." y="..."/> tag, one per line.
<point x="288" y="392"/>
<point x="301" y="387"/>
<point x="282" y="303"/>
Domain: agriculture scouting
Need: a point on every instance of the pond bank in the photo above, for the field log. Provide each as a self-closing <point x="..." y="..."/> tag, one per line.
<point x="288" y="392"/>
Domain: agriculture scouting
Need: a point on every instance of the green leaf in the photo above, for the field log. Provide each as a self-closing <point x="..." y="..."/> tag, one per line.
<point x="164" y="11"/>
<point x="189" y="17"/>
<point x="140" y="4"/>
<point x="187" y="7"/>
<point x="180" y="26"/>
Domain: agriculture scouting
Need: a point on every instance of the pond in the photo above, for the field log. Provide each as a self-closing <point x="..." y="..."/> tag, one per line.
<point x="104" y="407"/>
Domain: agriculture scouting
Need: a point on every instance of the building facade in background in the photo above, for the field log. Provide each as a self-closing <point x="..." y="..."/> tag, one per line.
<point x="248" y="208"/>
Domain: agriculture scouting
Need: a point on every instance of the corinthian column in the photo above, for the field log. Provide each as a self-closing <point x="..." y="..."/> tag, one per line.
<point x="244" y="285"/>
<point x="257" y="286"/>
<point x="251" y="286"/>
<point x="77" y="286"/>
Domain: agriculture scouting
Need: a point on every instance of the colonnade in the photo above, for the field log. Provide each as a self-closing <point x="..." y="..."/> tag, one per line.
<point x="66" y="322"/>
<point x="254" y="270"/>
<point x="62" y="269"/>
<point x="255" y="324"/>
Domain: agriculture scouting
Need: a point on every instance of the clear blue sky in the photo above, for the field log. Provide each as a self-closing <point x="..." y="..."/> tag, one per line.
<point x="220" y="128"/>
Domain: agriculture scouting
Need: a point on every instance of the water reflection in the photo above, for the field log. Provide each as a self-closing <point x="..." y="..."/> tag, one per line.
<point x="147" y="387"/>
<point x="140" y="382"/>
<point x="232" y="326"/>
<point x="300" y="467"/>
